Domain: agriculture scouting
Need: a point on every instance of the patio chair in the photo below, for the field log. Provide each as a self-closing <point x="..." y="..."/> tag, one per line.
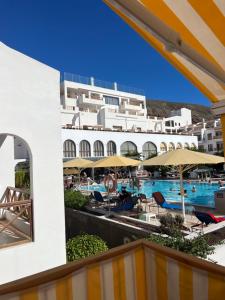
<point x="207" y="218"/>
<point x="98" y="197"/>
<point x="161" y="201"/>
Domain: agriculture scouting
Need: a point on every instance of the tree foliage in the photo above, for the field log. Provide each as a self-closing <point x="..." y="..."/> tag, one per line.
<point x="22" y="179"/>
<point x="84" y="245"/>
<point x="74" y="199"/>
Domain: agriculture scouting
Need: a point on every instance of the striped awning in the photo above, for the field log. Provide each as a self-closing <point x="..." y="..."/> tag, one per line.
<point x="188" y="33"/>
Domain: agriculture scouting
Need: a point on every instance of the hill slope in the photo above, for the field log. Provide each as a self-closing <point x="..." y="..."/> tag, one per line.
<point x="162" y="108"/>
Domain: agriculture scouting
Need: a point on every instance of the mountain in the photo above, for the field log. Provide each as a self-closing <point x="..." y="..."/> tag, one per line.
<point x="161" y="108"/>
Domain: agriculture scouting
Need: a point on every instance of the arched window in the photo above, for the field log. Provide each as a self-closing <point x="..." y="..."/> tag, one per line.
<point x="186" y="146"/>
<point x="149" y="149"/>
<point x="98" y="149"/>
<point x="193" y="146"/>
<point x="179" y="146"/>
<point x="69" y="149"/>
<point x="85" y="149"/>
<point x="171" y="146"/>
<point x="111" y="148"/>
<point x="163" y="147"/>
<point x="128" y="148"/>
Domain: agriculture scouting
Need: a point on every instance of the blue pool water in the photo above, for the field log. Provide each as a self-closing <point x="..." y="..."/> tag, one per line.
<point x="204" y="194"/>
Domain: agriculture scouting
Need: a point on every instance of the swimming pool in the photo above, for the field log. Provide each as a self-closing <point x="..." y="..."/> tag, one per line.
<point x="204" y="194"/>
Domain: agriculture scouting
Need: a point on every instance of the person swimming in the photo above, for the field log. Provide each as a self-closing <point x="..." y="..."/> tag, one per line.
<point x="193" y="189"/>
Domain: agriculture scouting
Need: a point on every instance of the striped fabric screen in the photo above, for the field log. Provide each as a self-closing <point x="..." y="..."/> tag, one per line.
<point x="136" y="271"/>
<point x="188" y="33"/>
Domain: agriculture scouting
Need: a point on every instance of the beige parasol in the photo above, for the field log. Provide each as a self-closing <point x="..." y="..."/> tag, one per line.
<point x="183" y="160"/>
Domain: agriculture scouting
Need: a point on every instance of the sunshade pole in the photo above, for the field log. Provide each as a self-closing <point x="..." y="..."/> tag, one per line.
<point x="182" y="189"/>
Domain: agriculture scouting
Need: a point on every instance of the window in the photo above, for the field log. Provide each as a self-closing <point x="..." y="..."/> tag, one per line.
<point x="163" y="147"/>
<point x="128" y="148"/>
<point x="111" y="100"/>
<point x="218" y="134"/>
<point x="85" y="149"/>
<point x="111" y="148"/>
<point x="69" y="149"/>
<point x="169" y="123"/>
<point x="209" y="136"/>
<point x="95" y="96"/>
<point x="98" y="149"/>
<point x="171" y="146"/>
<point x="210" y="147"/>
<point x="179" y="146"/>
<point x="219" y="147"/>
<point x="149" y="150"/>
<point x="199" y="138"/>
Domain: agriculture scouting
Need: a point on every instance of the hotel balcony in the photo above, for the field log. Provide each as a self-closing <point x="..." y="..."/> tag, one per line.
<point x="218" y="137"/>
<point x="127" y="114"/>
<point x="84" y="100"/>
<point x="129" y="106"/>
<point x="140" y="271"/>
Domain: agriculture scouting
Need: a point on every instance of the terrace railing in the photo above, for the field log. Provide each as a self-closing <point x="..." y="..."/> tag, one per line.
<point x="18" y="204"/>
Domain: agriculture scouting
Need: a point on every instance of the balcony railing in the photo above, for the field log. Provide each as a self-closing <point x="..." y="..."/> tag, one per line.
<point x="138" y="270"/>
<point x="16" y="222"/>
<point x="100" y="83"/>
<point x="90" y="101"/>
<point x="134" y="107"/>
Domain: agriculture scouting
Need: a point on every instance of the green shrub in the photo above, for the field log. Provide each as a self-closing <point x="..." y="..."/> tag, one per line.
<point x="22" y="179"/>
<point x="74" y="199"/>
<point x="170" y="224"/>
<point x="83" y="246"/>
<point x="197" y="247"/>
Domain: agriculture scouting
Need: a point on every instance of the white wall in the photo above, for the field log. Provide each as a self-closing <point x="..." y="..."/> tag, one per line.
<point x="127" y="121"/>
<point x="30" y="109"/>
<point x="20" y="149"/>
<point x="120" y="137"/>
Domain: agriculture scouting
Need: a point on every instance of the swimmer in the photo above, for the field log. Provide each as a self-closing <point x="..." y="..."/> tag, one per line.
<point x="193" y="189"/>
<point x="220" y="183"/>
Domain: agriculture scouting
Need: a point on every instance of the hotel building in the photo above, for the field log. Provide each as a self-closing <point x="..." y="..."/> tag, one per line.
<point x="102" y="119"/>
<point x="209" y="134"/>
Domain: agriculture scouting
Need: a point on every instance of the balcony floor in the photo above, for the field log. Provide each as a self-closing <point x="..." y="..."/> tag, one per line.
<point x="10" y="236"/>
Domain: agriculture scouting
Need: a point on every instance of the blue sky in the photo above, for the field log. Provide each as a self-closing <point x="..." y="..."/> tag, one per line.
<point x="87" y="38"/>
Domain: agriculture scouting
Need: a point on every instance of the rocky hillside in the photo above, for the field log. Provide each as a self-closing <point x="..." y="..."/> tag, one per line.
<point x="162" y="108"/>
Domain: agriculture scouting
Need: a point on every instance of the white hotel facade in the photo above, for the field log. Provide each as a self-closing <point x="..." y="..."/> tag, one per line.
<point x="102" y="119"/>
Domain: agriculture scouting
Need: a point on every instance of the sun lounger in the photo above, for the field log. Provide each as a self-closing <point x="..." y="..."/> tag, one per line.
<point x="207" y="218"/>
<point x="161" y="201"/>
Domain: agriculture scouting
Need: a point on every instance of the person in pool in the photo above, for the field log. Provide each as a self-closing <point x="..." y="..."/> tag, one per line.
<point x="193" y="189"/>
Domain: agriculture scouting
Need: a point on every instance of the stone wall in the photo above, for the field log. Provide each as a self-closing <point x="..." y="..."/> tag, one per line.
<point x="112" y="232"/>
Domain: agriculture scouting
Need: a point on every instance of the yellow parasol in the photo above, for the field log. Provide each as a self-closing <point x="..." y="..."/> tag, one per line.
<point x="183" y="160"/>
<point x="115" y="162"/>
<point x="78" y="163"/>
